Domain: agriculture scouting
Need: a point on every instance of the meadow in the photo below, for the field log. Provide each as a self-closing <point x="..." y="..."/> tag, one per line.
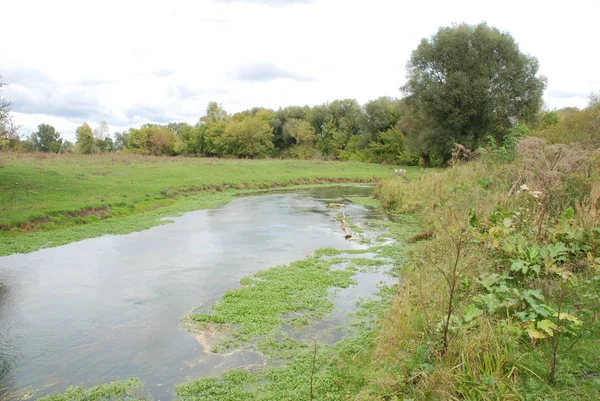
<point x="49" y="199"/>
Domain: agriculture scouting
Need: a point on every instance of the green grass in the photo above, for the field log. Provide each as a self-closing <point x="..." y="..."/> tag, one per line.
<point x="121" y="390"/>
<point x="28" y="242"/>
<point x="50" y="200"/>
<point x="340" y="373"/>
<point x="365" y="201"/>
<point x="490" y="355"/>
<point x="265" y="297"/>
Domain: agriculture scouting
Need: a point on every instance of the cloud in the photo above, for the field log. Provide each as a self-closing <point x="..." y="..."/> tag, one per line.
<point x="163" y="73"/>
<point x="265" y="72"/>
<point x="247" y="53"/>
<point x="155" y="113"/>
<point x="182" y="92"/>
<point x="26" y="76"/>
<point x="48" y="97"/>
<point x="561" y="94"/>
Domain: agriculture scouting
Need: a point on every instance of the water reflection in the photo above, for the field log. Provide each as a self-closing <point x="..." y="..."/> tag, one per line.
<point x="109" y="308"/>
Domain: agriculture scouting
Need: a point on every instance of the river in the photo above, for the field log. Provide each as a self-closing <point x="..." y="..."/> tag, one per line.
<point x="109" y="308"/>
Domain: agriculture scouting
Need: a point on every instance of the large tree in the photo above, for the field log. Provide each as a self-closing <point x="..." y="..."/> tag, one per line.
<point x="46" y="139"/>
<point x="152" y="139"/>
<point x="85" y="140"/>
<point x="249" y="136"/>
<point x="468" y="82"/>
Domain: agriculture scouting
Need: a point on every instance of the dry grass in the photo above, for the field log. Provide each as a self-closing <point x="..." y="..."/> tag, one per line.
<point x="483" y="359"/>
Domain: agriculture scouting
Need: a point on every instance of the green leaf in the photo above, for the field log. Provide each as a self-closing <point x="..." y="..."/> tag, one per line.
<point x="489" y="281"/>
<point x="569" y="213"/>
<point x="566" y="316"/>
<point x="471" y="312"/>
<point x="519" y="266"/>
<point x="548" y="326"/>
<point x="535" y="334"/>
<point x="490" y="302"/>
<point x="473" y="220"/>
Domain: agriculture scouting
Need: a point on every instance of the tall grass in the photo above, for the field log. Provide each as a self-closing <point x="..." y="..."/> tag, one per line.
<point x="437" y="341"/>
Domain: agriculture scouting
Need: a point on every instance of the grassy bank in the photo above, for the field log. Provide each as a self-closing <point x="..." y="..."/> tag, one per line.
<point x="500" y="298"/>
<point x="50" y="200"/>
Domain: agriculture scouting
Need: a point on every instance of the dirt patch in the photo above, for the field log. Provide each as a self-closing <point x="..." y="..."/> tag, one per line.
<point x="36" y="224"/>
<point x="101" y="212"/>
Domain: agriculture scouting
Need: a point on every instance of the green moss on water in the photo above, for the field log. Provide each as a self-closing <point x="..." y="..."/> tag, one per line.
<point x="341" y="371"/>
<point x="119" y="390"/>
<point x="260" y="305"/>
<point x="334" y="252"/>
<point x="365" y="201"/>
<point x="299" y="292"/>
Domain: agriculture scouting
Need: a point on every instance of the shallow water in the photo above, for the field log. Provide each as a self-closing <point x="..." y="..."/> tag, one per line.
<point x="109" y="308"/>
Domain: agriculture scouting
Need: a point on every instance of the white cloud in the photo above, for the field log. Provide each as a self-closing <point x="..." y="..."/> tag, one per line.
<point x="131" y="62"/>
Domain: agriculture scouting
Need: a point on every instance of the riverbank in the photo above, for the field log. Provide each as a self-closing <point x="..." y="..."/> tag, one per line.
<point x="500" y="297"/>
<point x="52" y="200"/>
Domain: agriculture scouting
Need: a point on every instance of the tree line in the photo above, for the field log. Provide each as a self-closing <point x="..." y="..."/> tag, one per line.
<point x="466" y="84"/>
<point x="341" y="130"/>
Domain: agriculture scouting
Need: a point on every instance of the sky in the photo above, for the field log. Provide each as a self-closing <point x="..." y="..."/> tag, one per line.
<point x="131" y="62"/>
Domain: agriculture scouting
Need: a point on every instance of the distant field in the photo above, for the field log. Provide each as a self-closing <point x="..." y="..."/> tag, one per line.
<point x="42" y="191"/>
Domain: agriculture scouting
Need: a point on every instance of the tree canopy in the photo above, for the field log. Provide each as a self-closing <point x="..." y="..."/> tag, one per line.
<point x="468" y="82"/>
<point x="46" y="139"/>
<point x="85" y="140"/>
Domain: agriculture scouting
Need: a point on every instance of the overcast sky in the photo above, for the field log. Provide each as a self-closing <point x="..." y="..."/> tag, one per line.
<point x="131" y="62"/>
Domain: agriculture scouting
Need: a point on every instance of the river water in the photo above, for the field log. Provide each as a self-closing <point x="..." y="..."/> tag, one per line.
<point x="109" y="308"/>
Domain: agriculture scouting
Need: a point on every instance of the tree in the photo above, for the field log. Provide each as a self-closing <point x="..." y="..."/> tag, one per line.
<point x="282" y="139"/>
<point x="215" y="112"/>
<point x="346" y="115"/>
<point x="192" y="139"/>
<point x="101" y="131"/>
<point x="121" y="141"/>
<point x="162" y="141"/>
<point x="215" y="143"/>
<point x="303" y="135"/>
<point x="177" y="128"/>
<point x="249" y="137"/>
<point x="388" y="147"/>
<point x="300" y="131"/>
<point x="46" y="139"/>
<point x="9" y="138"/>
<point x="380" y="115"/>
<point x="467" y="82"/>
<point x="85" y="140"/>
<point x="213" y="131"/>
<point x="105" y="145"/>
<point x="67" y="147"/>
<point x="152" y="139"/>
<point x="572" y="125"/>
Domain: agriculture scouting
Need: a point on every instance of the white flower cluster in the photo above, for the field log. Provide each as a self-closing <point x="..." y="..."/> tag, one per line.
<point x="522" y="188"/>
<point x="525" y="188"/>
